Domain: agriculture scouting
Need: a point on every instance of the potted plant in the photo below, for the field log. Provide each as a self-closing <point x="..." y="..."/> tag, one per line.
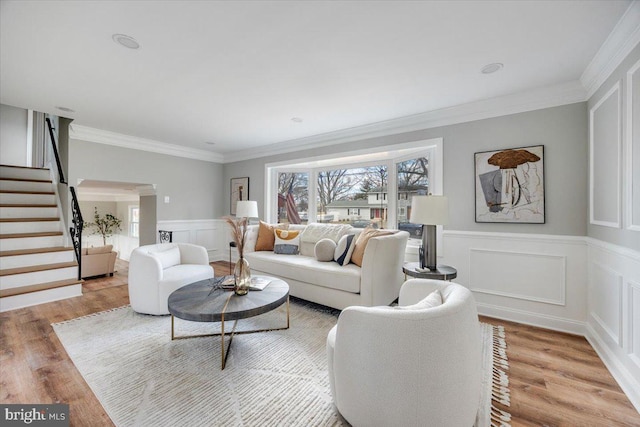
<point x="105" y="225"/>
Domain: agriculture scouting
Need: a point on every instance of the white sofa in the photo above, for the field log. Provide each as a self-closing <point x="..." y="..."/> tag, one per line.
<point x="155" y="271"/>
<point x="408" y="367"/>
<point x="377" y="282"/>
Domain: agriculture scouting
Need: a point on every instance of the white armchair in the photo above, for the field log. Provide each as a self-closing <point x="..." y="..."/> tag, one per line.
<point x="155" y="271"/>
<point x="408" y="367"/>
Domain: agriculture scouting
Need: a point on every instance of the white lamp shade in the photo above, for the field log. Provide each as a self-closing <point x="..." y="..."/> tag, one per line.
<point x="247" y="209"/>
<point x="429" y="210"/>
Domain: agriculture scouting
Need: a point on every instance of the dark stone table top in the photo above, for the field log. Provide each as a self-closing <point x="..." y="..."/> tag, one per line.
<point x="199" y="303"/>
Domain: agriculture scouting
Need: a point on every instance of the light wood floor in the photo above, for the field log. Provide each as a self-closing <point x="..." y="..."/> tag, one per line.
<point x="556" y="379"/>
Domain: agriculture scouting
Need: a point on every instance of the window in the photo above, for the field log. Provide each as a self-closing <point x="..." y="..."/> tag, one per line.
<point x="369" y="187"/>
<point x="134" y="221"/>
<point x="293" y="197"/>
<point x="342" y="195"/>
<point x="412" y="180"/>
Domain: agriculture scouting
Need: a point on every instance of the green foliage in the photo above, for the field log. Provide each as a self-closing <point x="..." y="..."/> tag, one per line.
<point x="105" y="225"/>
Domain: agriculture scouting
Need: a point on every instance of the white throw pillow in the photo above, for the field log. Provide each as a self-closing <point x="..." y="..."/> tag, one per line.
<point x="167" y="258"/>
<point x="344" y="249"/>
<point x="432" y="300"/>
<point x="324" y="250"/>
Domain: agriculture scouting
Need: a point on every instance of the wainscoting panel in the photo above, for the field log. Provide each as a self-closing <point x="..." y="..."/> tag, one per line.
<point x="605" y="300"/>
<point x="210" y="233"/>
<point x="605" y="146"/>
<point x="613" y="323"/>
<point x="633" y="307"/>
<point x="527" y="278"/>
<point x="523" y="275"/>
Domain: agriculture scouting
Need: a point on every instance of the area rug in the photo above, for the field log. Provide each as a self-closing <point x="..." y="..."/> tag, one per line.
<point x="143" y="378"/>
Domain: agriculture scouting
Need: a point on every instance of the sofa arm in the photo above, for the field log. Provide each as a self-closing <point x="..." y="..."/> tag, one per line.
<point x="381" y="275"/>
<point x="193" y="254"/>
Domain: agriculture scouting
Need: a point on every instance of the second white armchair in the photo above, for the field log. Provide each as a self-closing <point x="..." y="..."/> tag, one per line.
<point x="408" y="366"/>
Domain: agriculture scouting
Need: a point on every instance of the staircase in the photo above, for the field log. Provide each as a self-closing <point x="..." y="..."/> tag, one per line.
<point x="35" y="266"/>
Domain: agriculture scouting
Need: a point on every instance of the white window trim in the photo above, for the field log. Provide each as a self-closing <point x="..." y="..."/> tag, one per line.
<point x="388" y="155"/>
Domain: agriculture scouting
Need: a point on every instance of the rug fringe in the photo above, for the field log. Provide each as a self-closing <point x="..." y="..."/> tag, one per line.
<point x="64" y="322"/>
<point x="500" y="387"/>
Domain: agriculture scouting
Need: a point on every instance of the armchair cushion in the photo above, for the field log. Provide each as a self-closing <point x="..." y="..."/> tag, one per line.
<point x="434" y="299"/>
<point x="168" y="258"/>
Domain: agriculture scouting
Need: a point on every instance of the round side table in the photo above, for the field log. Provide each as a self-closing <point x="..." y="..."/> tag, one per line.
<point x="442" y="272"/>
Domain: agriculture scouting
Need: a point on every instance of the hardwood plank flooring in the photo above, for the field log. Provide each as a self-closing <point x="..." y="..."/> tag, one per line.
<point x="556" y="379"/>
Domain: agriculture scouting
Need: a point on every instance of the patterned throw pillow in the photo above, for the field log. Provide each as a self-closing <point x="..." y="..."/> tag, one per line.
<point x="287" y="242"/>
<point x="344" y="249"/>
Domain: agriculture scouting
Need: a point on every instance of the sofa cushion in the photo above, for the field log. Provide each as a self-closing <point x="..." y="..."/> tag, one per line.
<point x="167" y="258"/>
<point x="266" y="236"/>
<point x="324" y="250"/>
<point x="286" y="242"/>
<point x="99" y="250"/>
<point x="344" y="249"/>
<point x="361" y="243"/>
<point x="307" y="269"/>
<point x="314" y="232"/>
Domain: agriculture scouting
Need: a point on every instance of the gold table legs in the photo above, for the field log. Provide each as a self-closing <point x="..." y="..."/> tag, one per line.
<point x="224" y="354"/>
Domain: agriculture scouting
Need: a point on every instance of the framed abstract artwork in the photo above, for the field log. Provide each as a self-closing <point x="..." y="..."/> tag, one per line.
<point x="509" y="185"/>
<point x="239" y="191"/>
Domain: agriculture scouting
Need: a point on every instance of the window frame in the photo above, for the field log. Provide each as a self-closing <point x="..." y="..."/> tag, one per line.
<point x="388" y="155"/>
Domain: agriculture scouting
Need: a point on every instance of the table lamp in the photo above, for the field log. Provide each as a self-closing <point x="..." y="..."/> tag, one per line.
<point x="429" y="211"/>
<point x="247" y="209"/>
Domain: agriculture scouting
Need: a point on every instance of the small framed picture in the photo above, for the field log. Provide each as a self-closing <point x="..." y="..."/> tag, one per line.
<point x="239" y="191"/>
<point x="509" y="185"/>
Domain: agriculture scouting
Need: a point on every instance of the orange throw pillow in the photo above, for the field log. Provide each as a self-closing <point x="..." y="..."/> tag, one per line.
<point x="266" y="237"/>
<point x="361" y="243"/>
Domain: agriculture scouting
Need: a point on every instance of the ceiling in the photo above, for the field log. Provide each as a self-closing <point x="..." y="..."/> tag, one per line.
<point x="235" y="73"/>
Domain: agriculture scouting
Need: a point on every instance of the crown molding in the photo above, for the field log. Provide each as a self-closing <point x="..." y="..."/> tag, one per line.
<point x="536" y="99"/>
<point x="100" y="136"/>
<point x="622" y="39"/>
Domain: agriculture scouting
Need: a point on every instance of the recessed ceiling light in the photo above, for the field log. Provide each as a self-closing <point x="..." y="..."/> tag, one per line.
<point x="65" y="109"/>
<point x="296" y="119"/>
<point x="492" y="68"/>
<point x="126" y="41"/>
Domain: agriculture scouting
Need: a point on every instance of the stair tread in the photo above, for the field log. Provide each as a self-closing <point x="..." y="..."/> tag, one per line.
<point x="4" y="178"/>
<point x="36" y="268"/>
<point x="36" y="251"/>
<point x="28" y="205"/>
<point x="23" y="167"/>
<point x="38" y="287"/>
<point x="52" y="218"/>
<point x="26" y="235"/>
<point x="47" y="193"/>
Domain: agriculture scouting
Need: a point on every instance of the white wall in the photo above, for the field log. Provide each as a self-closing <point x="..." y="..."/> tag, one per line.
<point x="613" y="261"/>
<point x="13" y="135"/>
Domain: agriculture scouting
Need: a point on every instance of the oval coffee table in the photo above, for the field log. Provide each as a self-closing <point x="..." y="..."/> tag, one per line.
<point x="203" y="301"/>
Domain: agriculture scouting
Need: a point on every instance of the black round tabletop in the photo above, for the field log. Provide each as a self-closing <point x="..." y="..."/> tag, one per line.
<point x="199" y="303"/>
<point x="442" y="272"/>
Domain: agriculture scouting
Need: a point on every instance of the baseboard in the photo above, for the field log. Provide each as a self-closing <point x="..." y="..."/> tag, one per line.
<point x="534" y="319"/>
<point x="629" y="385"/>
